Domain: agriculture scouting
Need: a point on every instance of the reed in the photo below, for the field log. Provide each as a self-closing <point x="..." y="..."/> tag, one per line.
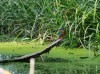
<point x="29" y="18"/>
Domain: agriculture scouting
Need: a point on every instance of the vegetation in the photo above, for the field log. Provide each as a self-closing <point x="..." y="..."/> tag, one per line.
<point x="25" y="25"/>
<point x="32" y="18"/>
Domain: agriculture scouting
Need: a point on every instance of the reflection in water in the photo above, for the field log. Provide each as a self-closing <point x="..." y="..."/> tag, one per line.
<point x="16" y="68"/>
<point x="3" y="71"/>
<point x="2" y="57"/>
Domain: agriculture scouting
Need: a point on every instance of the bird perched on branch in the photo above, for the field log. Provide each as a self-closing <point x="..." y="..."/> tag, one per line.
<point x="39" y="53"/>
<point x="62" y="33"/>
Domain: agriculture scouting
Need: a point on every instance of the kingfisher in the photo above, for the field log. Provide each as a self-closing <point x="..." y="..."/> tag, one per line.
<point x="62" y="33"/>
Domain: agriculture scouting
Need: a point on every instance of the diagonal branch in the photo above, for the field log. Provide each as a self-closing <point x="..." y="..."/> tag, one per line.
<point x="34" y="55"/>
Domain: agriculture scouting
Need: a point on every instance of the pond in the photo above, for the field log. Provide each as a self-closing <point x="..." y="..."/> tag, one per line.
<point x="51" y="66"/>
<point x="16" y="68"/>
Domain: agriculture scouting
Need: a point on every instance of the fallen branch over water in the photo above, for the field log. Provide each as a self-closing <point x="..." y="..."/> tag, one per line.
<point x="26" y="58"/>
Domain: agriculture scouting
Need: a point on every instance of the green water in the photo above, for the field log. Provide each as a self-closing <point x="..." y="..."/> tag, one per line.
<point x="16" y="68"/>
<point x="53" y="68"/>
<point x="58" y="61"/>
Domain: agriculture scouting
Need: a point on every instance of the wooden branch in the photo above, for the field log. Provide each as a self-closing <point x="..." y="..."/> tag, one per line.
<point x="26" y="58"/>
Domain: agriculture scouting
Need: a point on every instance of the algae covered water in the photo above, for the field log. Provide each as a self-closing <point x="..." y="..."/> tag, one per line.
<point x="52" y="66"/>
<point x="58" y="61"/>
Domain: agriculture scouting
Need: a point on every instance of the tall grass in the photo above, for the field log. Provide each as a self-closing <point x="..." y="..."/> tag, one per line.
<point x="29" y="18"/>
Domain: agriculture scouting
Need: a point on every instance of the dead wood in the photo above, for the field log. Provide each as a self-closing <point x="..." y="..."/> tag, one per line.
<point x="26" y="58"/>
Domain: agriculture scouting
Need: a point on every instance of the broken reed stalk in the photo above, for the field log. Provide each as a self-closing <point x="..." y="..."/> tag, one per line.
<point x="32" y="66"/>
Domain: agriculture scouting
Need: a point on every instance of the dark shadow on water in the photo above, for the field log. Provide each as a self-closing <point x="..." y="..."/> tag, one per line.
<point x="84" y="57"/>
<point x="59" y="60"/>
